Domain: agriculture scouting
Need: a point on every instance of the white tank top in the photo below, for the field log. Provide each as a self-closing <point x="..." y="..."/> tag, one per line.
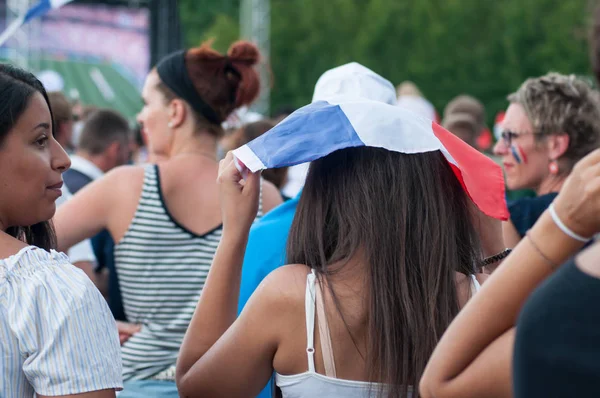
<point x="312" y="384"/>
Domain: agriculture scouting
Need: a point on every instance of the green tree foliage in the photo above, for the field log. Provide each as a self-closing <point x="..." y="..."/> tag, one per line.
<point x="210" y="19"/>
<point x="485" y="48"/>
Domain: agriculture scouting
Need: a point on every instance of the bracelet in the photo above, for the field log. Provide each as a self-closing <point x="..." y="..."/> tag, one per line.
<point x="537" y="249"/>
<point x="495" y="258"/>
<point x="564" y="228"/>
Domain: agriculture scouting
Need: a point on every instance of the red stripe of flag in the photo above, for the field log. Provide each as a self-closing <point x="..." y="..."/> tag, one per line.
<point x="479" y="175"/>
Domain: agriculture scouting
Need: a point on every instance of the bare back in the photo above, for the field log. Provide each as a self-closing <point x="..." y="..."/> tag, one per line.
<point x="188" y="189"/>
<point x="348" y="352"/>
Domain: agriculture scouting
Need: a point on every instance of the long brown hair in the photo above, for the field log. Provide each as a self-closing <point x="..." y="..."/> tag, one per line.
<point x="410" y="218"/>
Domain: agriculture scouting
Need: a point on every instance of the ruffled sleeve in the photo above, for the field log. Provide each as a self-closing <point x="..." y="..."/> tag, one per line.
<point x="65" y="331"/>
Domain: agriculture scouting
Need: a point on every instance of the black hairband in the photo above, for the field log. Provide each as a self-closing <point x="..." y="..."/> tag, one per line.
<point x="174" y="74"/>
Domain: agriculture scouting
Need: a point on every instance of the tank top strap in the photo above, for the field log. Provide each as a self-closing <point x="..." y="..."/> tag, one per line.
<point x="150" y="204"/>
<point x="309" y="303"/>
<point x="151" y="188"/>
<point x="475" y="285"/>
<point x="325" y="335"/>
<point x="151" y="177"/>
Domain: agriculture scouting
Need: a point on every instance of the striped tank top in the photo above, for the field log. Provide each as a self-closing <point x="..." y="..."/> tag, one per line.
<point x="162" y="267"/>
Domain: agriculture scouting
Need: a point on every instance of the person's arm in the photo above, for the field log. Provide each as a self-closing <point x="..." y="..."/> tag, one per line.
<point x="588" y="262"/>
<point x="222" y="356"/>
<point x="271" y="196"/>
<point x="92" y="209"/>
<point x="82" y="256"/>
<point x="94" y="394"/>
<point x="466" y="354"/>
<point x="88" y="268"/>
<point x="511" y="236"/>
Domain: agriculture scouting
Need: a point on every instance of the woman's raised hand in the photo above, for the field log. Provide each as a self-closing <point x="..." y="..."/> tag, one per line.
<point x="578" y="203"/>
<point x="239" y="197"/>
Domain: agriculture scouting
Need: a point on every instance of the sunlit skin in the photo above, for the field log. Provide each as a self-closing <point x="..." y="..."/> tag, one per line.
<point x="154" y="119"/>
<point x="527" y="160"/>
<point x="33" y="162"/>
<point x="520" y="174"/>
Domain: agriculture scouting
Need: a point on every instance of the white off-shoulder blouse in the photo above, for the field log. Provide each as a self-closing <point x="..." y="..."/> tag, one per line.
<point x="57" y="335"/>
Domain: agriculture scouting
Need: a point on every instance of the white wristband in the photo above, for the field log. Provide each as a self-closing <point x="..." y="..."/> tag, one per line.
<point x="564" y="228"/>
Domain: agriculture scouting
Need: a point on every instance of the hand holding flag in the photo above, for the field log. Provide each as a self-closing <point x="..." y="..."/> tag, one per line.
<point x="239" y="195"/>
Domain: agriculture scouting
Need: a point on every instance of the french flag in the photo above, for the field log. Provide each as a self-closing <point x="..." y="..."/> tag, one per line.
<point x="323" y="127"/>
<point x="34" y="11"/>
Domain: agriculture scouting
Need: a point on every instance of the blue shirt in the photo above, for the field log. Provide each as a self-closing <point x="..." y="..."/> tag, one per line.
<point x="265" y="252"/>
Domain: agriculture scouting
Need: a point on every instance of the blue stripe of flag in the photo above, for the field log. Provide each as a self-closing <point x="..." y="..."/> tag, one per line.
<point x="310" y="133"/>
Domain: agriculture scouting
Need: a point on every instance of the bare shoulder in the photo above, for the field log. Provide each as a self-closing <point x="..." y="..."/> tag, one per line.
<point x="125" y="174"/>
<point x="124" y="179"/>
<point x="10" y="246"/>
<point x="284" y="287"/>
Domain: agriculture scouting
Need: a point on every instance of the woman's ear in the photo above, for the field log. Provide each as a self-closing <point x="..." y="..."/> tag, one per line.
<point x="177" y="113"/>
<point x="557" y="145"/>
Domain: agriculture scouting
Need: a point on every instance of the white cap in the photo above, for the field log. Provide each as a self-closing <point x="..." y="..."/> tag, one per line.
<point x="354" y="81"/>
<point x="417" y="105"/>
<point x="349" y="81"/>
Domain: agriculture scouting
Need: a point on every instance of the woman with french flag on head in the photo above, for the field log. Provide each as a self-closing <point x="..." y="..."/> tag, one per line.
<point x="550" y="124"/>
<point x="394" y="225"/>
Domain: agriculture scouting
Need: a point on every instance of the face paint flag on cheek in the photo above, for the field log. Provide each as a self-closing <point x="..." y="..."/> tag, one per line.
<point x="519" y="154"/>
<point x="323" y="127"/>
<point x="515" y="154"/>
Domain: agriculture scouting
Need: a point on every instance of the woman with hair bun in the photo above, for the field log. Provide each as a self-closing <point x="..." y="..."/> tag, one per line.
<point x="166" y="219"/>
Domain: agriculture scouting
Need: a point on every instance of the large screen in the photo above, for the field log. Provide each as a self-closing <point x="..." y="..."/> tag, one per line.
<point x="97" y="53"/>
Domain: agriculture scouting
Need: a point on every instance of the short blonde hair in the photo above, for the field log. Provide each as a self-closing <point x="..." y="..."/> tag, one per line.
<point x="561" y="104"/>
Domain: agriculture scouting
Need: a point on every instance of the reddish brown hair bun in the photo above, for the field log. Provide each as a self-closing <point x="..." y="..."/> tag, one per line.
<point x="225" y="82"/>
<point x="243" y="56"/>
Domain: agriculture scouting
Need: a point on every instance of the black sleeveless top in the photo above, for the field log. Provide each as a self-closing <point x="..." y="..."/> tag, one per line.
<point x="526" y="211"/>
<point x="557" y="348"/>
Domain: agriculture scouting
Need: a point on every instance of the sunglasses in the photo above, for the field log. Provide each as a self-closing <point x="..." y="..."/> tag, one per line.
<point x="508" y="136"/>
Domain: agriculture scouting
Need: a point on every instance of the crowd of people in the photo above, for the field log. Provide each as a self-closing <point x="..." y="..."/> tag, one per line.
<point x="360" y="246"/>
